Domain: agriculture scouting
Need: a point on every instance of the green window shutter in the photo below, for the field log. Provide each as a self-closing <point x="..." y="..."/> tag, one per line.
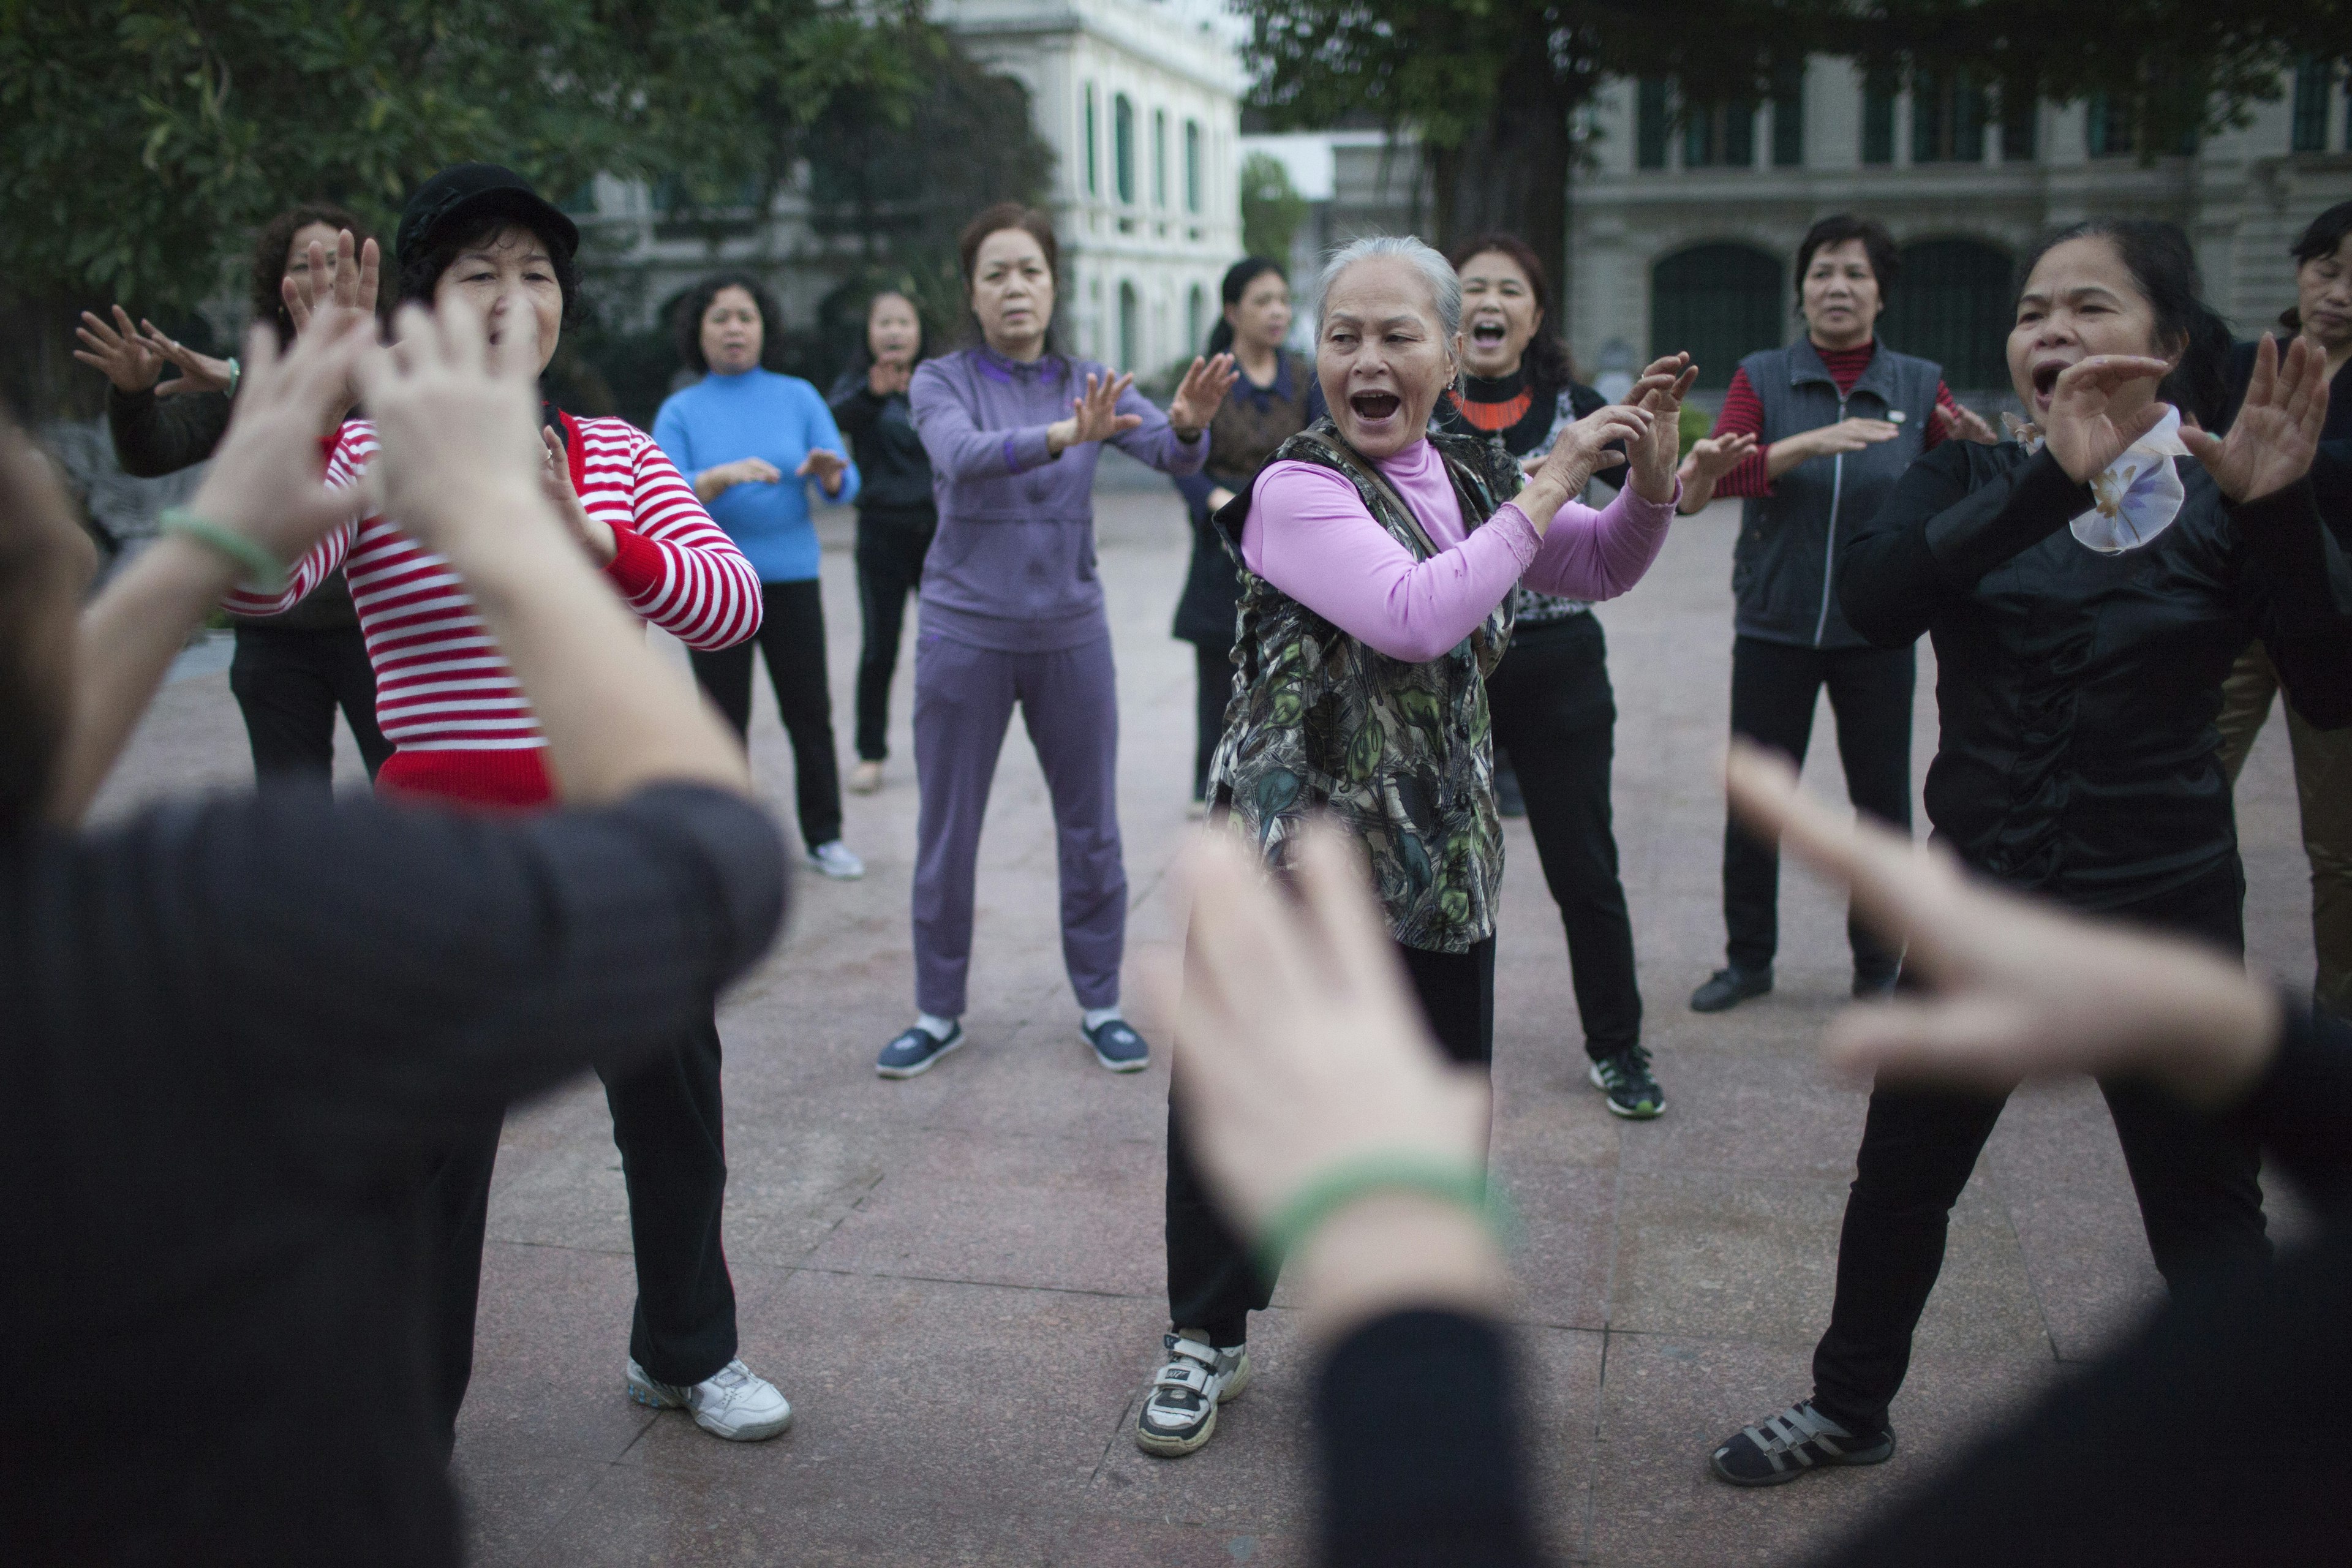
<point x="1789" y="118"/>
<point x="1878" y="118"/>
<point x="1651" y="121"/>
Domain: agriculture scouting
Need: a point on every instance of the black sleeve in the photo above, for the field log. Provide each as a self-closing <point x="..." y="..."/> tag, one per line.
<point x="157" y="435"/>
<point x="2296" y="582"/>
<point x="855" y="407"/>
<point x="1441" y="1487"/>
<point x="2303" y="1108"/>
<point x="384" y="970"/>
<point x="1936" y="536"/>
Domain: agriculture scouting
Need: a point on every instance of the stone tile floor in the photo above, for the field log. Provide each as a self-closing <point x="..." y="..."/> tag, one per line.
<point x="957" y="1279"/>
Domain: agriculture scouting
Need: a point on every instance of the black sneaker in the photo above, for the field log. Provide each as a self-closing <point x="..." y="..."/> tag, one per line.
<point x="1625" y="1078"/>
<point x="1179" y="1412"/>
<point x="1726" y="988"/>
<point x="916" y="1051"/>
<point x="1117" y="1046"/>
<point x="1787" y="1444"/>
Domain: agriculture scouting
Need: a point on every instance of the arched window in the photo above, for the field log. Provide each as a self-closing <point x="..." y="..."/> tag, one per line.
<point x="1721" y="302"/>
<point x="1093" y="185"/>
<point x="1952" y="305"/>
<point x="1122" y="146"/>
<point x="1192" y="166"/>
<point x="1130" y="327"/>
<point x="1196" y="321"/>
<point x="1159" y="157"/>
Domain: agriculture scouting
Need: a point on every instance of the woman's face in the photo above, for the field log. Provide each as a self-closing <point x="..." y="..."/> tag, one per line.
<point x="1839" y="295"/>
<point x="1383" y="357"/>
<point x="297" y="250"/>
<point x="1262" y="318"/>
<point x="2323" y="298"/>
<point x="1012" y="293"/>
<point x="1498" y="314"/>
<point x="733" y="332"/>
<point x="893" y="331"/>
<point x="509" y="270"/>
<point x="2081" y="300"/>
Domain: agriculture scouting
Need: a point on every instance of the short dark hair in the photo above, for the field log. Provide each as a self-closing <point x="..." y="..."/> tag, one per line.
<point x="2163" y="268"/>
<point x="1234" y="287"/>
<point x="2324" y="235"/>
<point x="697" y="300"/>
<point x="420" y="274"/>
<point x="269" y="248"/>
<point x="996" y="218"/>
<point x="1549" y="367"/>
<point x="1886" y="260"/>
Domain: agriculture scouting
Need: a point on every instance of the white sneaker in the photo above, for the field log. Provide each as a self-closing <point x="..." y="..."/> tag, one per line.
<point x="866" y="778"/>
<point x="734" y="1403"/>
<point x="835" y="861"/>
<point x="1180" y="1412"/>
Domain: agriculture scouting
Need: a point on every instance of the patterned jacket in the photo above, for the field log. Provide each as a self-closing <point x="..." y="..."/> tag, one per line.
<point x="1400" y="754"/>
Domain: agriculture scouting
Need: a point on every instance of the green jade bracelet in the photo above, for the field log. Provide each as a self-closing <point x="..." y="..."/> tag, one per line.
<point x="265" y="574"/>
<point x="1367" y="1175"/>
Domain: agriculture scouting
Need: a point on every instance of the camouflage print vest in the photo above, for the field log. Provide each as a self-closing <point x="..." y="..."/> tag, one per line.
<point x="1401" y="755"/>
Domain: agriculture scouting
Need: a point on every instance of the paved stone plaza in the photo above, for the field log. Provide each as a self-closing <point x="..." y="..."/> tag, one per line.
<point x="957" y="1279"/>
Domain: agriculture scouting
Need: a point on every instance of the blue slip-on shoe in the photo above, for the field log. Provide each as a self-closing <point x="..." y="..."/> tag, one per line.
<point x="916" y="1051"/>
<point x="1117" y="1046"/>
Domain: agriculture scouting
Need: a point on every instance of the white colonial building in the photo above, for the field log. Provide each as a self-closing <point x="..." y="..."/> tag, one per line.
<point x="1684" y="224"/>
<point x="1141" y="103"/>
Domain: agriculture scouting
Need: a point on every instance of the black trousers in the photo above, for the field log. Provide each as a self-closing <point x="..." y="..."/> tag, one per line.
<point x="2195" y="1177"/>
<point x="1773" y="689"/>
<point x="791" y="635"/>
<point x="1212" y="1283"/>
<point x="890" y="550"/>
<point x="1213" y="688"/>
<point x="668" y="1124"/>
<point x="1555" y="713"/>
<point x="288" y="685"/>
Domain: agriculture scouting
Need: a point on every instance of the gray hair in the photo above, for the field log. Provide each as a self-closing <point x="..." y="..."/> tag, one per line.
<point x="1444" y="285"/>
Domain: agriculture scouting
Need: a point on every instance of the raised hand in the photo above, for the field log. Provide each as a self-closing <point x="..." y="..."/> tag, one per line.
<point x="1659" y="393"/>
<point x="1199" y="393"/>
<point x="2084" y="431"/>
<point x="458" y="420"/>
<point x="1582" y="451"/>
<point x="2019" y="988"/>
<point x="2277" y="433"/>
<point x="118" y="350"/>
<point x="198" y="373"/>
<point x="341" y="281"/>
<point x="264" y="479"/>
<point x="1712" y="456"/>
<point x="555" y="481"/>
<point x="1967" y="424"/>
<point x="1094" y="415"/>
<point x="883" y="379"/>
<point x="825" y="467"/>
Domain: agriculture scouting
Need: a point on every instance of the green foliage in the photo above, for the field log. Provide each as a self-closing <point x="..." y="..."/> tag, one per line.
<point x="1271" y="210"/>
<point x="142" y="140"/>
<point x="1692" y="425"/>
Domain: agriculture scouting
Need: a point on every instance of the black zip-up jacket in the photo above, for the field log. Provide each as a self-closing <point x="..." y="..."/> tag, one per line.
<point x="157" y="435"/>
<point x="2078" y="691"/>
<point x="894" y="470"/>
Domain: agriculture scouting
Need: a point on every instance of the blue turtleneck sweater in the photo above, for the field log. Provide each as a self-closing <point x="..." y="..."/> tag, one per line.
<point x="757" y="414"/>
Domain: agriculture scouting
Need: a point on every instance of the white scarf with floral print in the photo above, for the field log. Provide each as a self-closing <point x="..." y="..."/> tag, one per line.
<point x="2137" y="496"/>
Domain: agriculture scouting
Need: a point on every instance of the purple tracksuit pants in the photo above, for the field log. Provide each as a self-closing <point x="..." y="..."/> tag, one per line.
<point x="964" y="698"/>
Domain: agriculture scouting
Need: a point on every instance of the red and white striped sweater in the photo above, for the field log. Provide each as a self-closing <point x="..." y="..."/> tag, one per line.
<point x="444" y="697"/>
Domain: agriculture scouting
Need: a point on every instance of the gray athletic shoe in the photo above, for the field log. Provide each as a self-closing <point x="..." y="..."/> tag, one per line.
<point x="1798" y="1439"/>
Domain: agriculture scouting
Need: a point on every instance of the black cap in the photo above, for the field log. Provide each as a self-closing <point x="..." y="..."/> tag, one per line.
<point x="464" y="191"/>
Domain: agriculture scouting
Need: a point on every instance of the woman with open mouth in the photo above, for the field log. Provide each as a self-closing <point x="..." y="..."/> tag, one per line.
<point x="1555" y="715"/>
<point x="1813" y="436"/>
<point x="2086" y="587"/>
<point x="2322" y="316"/>
<point x="1378" y="565"/>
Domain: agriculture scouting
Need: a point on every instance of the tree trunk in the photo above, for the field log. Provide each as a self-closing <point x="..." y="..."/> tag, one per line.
<point x="1512" y="173"/>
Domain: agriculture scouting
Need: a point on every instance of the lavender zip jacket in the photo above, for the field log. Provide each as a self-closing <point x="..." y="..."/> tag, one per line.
<point x="1012" y="565"/>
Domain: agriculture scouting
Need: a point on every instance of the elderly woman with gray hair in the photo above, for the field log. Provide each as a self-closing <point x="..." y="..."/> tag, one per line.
<point x="1378" y="563"/>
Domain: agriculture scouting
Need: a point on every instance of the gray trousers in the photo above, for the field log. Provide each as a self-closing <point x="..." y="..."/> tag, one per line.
<point x="964" y="698"/>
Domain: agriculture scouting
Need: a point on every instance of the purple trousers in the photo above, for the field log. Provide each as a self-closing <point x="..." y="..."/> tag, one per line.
<point x="964" y="698"/>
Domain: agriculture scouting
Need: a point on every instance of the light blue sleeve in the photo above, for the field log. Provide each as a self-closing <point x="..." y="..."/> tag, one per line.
<point x="818" y="421"/>
<point x="671" y="436"/>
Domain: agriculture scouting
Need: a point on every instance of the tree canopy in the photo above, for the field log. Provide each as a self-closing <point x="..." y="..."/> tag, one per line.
<point x="1488" y="87"/>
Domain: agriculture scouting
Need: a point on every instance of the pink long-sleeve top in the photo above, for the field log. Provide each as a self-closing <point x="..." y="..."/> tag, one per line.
<point x="1309" y="534"/>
